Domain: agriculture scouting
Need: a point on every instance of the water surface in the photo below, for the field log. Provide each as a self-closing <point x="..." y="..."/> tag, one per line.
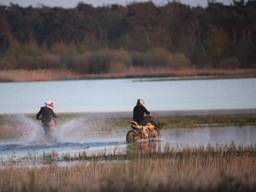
<point x="121" y="95"/>
<point x="74" y="140"/>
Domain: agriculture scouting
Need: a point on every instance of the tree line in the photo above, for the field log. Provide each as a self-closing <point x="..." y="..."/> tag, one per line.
<point x="91" y="39"/>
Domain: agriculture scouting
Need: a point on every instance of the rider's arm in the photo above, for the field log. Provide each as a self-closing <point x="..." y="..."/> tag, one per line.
<point x="146" y="111"/>
<point x="39" y="114"/>
<point x="54" y="114"/>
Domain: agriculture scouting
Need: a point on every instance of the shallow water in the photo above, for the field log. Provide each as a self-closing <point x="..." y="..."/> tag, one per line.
<point x="82" y="135"/>
<point x="218" y="136"/>
<point x="121" y="95"/>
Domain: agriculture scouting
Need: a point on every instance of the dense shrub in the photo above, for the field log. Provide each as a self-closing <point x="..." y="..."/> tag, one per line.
<point x="159" y="58"/>
<point x="99" y="62"/>
<point x="50" y="61"/>
<point x="172" y="35"/>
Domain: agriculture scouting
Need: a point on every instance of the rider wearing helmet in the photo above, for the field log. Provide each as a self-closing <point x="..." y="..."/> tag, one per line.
<point x="46" y="115"/>
<point x="138" y="112"/>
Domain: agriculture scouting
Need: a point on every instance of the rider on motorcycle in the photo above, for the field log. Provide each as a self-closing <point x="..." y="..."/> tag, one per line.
<point x="46" y="115"/>
<point x="138" y="112"/>
<point x="138" y="115"/>
<point x="142" y="127"/>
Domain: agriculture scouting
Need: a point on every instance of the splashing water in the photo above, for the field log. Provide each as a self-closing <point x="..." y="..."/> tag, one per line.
<point x="68" y="129"/>
<point x="73" y="136"/>
<point x="78" y="130"/>
<point x="83" y="129"/>
<point x="29" y="130"/>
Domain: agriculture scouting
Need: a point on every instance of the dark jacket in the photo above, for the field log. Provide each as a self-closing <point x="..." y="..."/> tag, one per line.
<point x="45" y="115"/>
<point x="138" y="113"/>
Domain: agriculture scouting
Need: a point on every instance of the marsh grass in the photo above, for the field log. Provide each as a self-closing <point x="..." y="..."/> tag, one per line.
<point x="209" y="121"/>
<point x="36" y="75"/>
<point x="232" y="169"/>
<point x="120" y="70"/>
<point x="197" y="121"/>
<point x="152" y="150"/>
<point x="8" y="127"/>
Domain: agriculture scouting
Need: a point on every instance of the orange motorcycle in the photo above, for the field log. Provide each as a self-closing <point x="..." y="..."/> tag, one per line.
<point x="150" y="130"/>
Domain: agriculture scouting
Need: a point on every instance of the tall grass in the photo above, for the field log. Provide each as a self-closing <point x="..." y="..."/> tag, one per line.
<point x="192" y="172"/>
<point x="36" y="75"/>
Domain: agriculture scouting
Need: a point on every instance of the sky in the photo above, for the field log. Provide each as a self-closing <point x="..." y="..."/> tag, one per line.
<point x="73" y="3"/>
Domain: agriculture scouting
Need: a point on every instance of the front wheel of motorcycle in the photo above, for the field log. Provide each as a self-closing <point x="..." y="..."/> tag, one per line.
<point x="132" y="136"/>
<point x="155" y="134"/>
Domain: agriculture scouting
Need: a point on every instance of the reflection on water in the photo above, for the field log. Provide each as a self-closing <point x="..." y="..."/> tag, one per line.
<point x="176" y="139"/>
<point x="195" y="137"/>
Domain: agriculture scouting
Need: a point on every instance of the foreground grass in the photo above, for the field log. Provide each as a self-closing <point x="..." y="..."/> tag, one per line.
<point x="233" y="169"/>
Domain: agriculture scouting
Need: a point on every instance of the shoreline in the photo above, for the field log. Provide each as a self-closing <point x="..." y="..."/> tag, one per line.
<point x="159" y="113"/>
<point x="21" y="75"/>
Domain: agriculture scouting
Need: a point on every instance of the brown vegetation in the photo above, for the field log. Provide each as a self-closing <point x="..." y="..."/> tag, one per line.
<point x="231" y="171"/>
<point x="195" y="121"/>
<point x="8" y="131"/>
<point x="36" y="75"/>
<point x="117" y="72"/>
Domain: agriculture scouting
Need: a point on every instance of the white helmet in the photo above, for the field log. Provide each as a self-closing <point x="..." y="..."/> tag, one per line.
<point x="140" y="101"/>
<point x="50" y="104"/>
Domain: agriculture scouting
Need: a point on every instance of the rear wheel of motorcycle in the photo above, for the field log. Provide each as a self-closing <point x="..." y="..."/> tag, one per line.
<point x="132" y="136"/>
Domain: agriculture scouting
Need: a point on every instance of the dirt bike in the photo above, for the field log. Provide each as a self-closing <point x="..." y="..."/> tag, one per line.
<point x="150" y="129"/>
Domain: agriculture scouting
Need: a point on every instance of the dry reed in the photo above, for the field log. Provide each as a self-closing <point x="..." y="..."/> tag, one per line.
<point x="125" y="72"/>
<point x="36" y="75"/>
<point x="192" y="173"/>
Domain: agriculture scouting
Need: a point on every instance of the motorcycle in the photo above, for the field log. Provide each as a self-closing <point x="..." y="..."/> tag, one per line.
<point x="150" y="129"/>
